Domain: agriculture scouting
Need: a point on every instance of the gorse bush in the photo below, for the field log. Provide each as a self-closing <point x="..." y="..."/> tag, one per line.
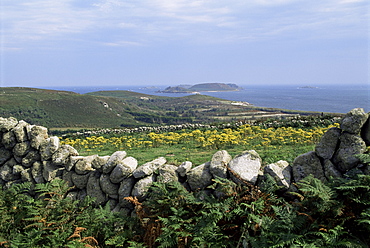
<point x="212" y="139"/>
<point x="193" y="145"/>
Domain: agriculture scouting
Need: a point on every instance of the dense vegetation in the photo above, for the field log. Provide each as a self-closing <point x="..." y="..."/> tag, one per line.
<point x="336" y="214"/>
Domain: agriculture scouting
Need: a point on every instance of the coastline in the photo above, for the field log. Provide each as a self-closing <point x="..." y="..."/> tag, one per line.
<point x="324" y="98"/>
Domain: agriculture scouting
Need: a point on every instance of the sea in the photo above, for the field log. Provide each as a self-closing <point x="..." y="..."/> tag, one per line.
<point x="322" y="98"/>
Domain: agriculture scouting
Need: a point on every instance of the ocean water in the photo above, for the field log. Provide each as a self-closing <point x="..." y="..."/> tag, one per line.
<point x="323" y="98"/>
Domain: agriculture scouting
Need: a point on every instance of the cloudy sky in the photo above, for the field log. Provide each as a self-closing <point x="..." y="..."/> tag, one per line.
<point x="171" y="42"/>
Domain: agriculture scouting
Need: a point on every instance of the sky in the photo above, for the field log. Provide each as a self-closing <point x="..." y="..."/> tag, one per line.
<point x="171" y="42"/>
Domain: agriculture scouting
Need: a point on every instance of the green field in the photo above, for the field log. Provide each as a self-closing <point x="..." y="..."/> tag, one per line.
<point x="199" y="145"/>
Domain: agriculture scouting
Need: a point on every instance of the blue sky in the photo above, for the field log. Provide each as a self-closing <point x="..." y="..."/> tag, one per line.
<point x="171" y="42"/>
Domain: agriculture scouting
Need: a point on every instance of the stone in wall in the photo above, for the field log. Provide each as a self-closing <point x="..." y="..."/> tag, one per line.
<point x="245" y="167"/>
<point x="328" y="143"/>
<point x="108" y="186"/>
<point x="330" y="170"/>
<point x="21" y="149"/>
<point x="62" y="156"/>
<point x="9" y="140"/>
<point x="350" y="145"/>
<point x="94" y="190"/>
<point x="354" y="120"/>
<point x="308" y="164"/>
<point x="219" y="162"/>
<point x="113" y="160"/>
<point x="184" y="168"/>
<point x="125" y="190"/>
<point x="79" y="180"/>
<point x="51" y="171"/>
<point x="141" y="188"/>
<point x="6" y="171"/>
<point x="281" y="171"/>
<point x="67" y="176"/>
<point x="26" y="175"/>
<point x="167" y="173"/>
<point x="200" y="177"/>
<point x="72" y="161"/>
<point x="123" y="170"/>
<point x="5" y="155"/>
<point x="20" y="131"/>
<point x="84" y="166"/>
<point x="148" y="169"/>
<point x="36" y="172"/>
<point x="365" y="132"/>
<point x="37" y="136"/>
<point x="17" y="169"/>
<point x="7" y="123"/>
<point x="31" y="157"/>
<point x="99" y="162"/>
<point x="48" y="147"/>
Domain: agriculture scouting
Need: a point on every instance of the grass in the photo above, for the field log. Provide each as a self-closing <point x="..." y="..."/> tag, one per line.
<point x="176" y="154"/>
<point x="198" y="146"/>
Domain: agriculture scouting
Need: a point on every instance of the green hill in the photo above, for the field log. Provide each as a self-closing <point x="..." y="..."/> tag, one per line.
<point x="110" y="109"/>
<point x="62" y="109"/>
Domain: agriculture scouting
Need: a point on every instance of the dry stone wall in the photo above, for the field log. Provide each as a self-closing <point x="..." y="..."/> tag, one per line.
<point x="28" y="154"/>
<point x="334" y="155"/>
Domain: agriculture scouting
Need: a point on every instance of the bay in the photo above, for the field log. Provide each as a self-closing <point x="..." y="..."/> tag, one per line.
<point x="323" y="98"/>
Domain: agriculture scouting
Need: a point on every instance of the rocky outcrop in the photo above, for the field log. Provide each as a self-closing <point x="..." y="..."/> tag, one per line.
<point x="28" y="154"/>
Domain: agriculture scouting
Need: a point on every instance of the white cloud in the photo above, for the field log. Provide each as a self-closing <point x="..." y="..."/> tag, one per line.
<point x="273" y="2"/>
<point x="108" y="5"/>
<point x="352" y="1"/>
<point x="137" y="22"/>
<point x="122" y="43"/>
<point x="41" y="20"/>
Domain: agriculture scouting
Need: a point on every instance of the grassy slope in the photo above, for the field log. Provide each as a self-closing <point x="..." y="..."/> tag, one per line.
<point x="107" y="109"/>
<point x="62" y="109"/>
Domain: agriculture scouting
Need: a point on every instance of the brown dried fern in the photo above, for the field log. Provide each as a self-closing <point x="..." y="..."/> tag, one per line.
<point x="76" y="233"/>
<point x="152" y="228"/>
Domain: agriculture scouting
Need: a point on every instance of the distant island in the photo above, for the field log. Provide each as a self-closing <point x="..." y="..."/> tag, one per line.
<point x="308" y="87"/>
<point x="215" y="87"/>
